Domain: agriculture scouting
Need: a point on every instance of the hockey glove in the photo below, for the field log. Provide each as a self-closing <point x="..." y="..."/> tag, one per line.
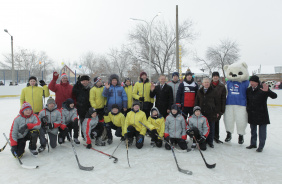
<point x="202" y="139"/>
<point x="22" y="129"/>
<point x="50" y="125"/>
<point x="141" y="99"/>
<point x="42" y="83"/>
<point x="140" y="139"/>
<point x="44" y="120"/>
<point x="190" y="133"/>
<point x="14" y="149"/>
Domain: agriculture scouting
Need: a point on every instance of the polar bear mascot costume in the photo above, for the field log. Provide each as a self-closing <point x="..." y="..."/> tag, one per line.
<point x="235" y="111"/>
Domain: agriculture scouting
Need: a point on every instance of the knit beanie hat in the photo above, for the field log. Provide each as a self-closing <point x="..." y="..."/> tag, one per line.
<point x="51" y="101"/>
<point x="69" y="101"/>
<point x="143" y="73"/>
<point x="84" y="77"/>
<point x="26" y="106"/>
<point x="64" y="75"/>
<point x="215" y="74"/>
<point x="175" y="73"/>
<point x="196" y="108"/>
<point x="254" y="78"/>
<point x="32" y="77"/>
<point x="96" y="79"/>
<point x="188" y="72"/>
<point x="91" y="110"/>
<point x="136" y="103"/>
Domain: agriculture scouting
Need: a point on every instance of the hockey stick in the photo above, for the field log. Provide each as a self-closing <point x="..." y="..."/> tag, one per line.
<point x="23" y="166"/>
<point x="111" y="156"/>
<point x="2" y="149"/>
<point x="172" y="149"/>
<point x="115" y="149"/>
<point x="208" y="165"/>
<point x="80" y="166"/>
<point x="45" y="115"/>
<point x="126" y="141"/>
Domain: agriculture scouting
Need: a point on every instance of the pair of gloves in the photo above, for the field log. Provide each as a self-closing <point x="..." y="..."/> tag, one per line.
<point x="195" y="132"/>
<point x="45" y="123"/>
<point x="139" y="139"/>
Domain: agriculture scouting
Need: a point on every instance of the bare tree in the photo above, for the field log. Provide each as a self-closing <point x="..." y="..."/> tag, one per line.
<point x="226" y="53"/>
<point x="163" y="44"/>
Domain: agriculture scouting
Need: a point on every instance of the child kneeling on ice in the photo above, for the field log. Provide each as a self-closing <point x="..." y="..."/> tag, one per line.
<point x="25" y="127"/>
<point x="91" y="127"/>
<point x="114" y="120"/>
<point x="70" y="121"/>
<point x="132" y="127"/>
<point x="51" y="119"/>
<point x="198" y="127"/>
<point x="175" y="129"/>
<point x="156" y="124"/>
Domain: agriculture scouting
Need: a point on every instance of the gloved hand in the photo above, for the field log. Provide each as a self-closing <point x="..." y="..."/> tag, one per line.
<point x="202" y="140"/>
<point x="190" y="132"/>
<point x="14" y="149"/>
<point x="125" y="136"/>
<point x="66" y="130"/>
<point x="89" y="146"/>
<point x="22" y="129"/>
<point x="44" y="120"/>
<point x="141" y="99"/>
<point x="42" y="83"/>
<point x="140" y="139"/>
<point x="154" y="132"/>
<point x="50" y="125"/>
<point x="55" y="76"/>
<point x="122" y="138"/>
<point x="78" y="78"/>
<point x="167" y="138"/>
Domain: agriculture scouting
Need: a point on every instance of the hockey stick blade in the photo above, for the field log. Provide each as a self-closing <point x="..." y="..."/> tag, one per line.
<point x="208" y="165"/>
<point x="22" y="165"/>
<point x="110" y="156"/>
<point x="2" y="149"/>
<point x="185" y="171"/>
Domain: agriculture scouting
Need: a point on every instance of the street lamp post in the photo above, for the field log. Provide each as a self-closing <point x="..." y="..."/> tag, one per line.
<point x="150" y="38"/>
<point x="13" y="70"/>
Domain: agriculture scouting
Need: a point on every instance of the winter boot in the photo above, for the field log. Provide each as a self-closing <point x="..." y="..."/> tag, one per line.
<point x="99" y="142"/>
<point x="33" y="152"/>
<point x="41" y="149"/>
<point x="241" y="139"/>
<point x="110" y="141"/>
<point x="228" y="137"/>
<point x="193" y="146"/>
<point x="153" y="144"/>
<point x="60" y="140"/>
<point x="76" y="141"/>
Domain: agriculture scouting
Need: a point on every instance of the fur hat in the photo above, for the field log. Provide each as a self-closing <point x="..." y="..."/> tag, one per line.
<point x="32" y="77"/>
<point x="84" y="77"/>
<point x="143" y="73"/>
<point x="51" y="101"/>
<point x="215" y="74"/>
<point x="254" y="78"/>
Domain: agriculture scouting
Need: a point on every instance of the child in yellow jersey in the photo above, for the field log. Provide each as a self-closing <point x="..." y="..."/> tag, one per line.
<point x="114" y="120"/>
<point x="156" y="124"/>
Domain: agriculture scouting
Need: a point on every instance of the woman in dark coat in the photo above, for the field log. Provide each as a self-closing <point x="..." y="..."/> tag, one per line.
<point x="164" y="96"/>
<point x="257" y="111"/>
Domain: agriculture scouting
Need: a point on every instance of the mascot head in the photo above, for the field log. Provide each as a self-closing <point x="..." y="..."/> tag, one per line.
<point x="237" y="72"/>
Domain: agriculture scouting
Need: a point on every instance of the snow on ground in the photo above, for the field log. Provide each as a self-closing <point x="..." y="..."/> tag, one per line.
<point x="234" y="163"/>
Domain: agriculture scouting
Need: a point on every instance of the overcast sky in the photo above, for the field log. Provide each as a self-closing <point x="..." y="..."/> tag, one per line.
<point x="66" y="29"/>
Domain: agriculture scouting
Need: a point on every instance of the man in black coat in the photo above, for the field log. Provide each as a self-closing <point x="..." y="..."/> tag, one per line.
<point x="81" y="92"/>
<point x="257" y="111"/>
<point x="221" y="94"/>
<point x="207" y="99"/>
<point x="164" y="96"/>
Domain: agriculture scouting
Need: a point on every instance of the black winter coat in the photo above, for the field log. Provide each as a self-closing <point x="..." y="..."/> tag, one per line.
<point x="221" y="95"/>
<point x="164" y="98"/>
<point x="209" y="103"/>
<point x="257" y="105"/>
<point x="82" y="98"/>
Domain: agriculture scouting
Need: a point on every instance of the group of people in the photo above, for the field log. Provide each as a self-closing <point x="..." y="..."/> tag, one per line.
<point x="166" y="112"/>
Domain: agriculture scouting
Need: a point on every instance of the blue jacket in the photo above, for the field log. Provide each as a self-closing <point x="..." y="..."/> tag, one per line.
<point x="237" y="93"/>
<point x="115" y="95"/>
